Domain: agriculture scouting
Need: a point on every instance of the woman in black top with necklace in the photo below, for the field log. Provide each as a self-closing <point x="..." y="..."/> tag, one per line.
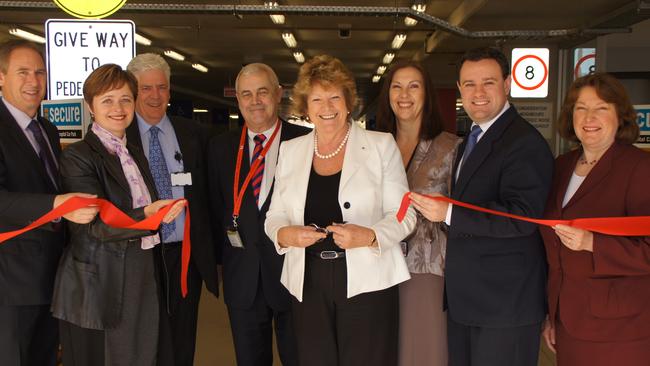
<point x="332" y="215"/>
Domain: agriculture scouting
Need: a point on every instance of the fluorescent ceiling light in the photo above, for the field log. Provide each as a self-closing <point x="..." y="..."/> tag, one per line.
<point x="420" y="8"/>
<point x="410" y="22"/>
<point x="388" y="58"/>
<point x="300" y="58"/>
<point x="233" y="115"/>
<point x="398" y="41"/>
<point x="142" y="40"/>
<point x="277" y="18"/>
<point x="271" y="4"/>
<point x="289" y="39"/>
<point x="200" y="67"/>
<point x="381" y="70"/>
<point x="376" y="78"/>
<point x="175" y="55"/>
<point x="197" y="110"/>
<point x="26" y="35"/>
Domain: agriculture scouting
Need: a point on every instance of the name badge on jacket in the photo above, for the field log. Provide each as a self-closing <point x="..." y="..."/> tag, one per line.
<point x="181" y="179"/>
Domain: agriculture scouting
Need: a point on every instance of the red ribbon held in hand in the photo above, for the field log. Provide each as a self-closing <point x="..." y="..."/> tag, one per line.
<point x="112" y="216"/>
<point x="619" y="226"/>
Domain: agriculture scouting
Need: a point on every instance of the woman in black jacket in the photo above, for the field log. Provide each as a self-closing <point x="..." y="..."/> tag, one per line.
<point x="105" y="293"/>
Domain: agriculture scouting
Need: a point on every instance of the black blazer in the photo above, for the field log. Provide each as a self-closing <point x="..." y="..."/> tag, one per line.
<point x="192" y="141"/>
<point x="89" y="284"/>
<point x="28" y="262"/>
<point x="242" y="267"/>
<point x="495" y="267"/>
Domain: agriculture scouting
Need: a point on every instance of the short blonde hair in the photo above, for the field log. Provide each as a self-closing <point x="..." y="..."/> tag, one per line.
<point x="327" y="71"/>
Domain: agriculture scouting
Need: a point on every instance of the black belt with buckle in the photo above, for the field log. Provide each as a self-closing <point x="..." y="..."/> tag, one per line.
<point x="328" y="254"/>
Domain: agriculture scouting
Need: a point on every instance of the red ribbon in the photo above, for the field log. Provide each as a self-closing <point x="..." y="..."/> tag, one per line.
<point x="112" y="216"/>
<point x="619" y="226"/>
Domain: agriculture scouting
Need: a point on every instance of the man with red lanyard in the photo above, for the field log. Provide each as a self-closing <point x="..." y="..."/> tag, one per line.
<point x="241" y="167"/>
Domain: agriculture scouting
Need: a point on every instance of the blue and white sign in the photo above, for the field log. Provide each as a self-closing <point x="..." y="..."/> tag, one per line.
<point x="70" y="117"/>
<point x="643" y="119"/>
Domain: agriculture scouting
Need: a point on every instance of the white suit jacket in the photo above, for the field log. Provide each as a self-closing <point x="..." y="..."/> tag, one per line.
<point x="373" y="182"/>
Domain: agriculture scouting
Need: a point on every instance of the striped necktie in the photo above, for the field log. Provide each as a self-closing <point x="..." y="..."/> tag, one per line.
<point x="44" y="151"/>
<point x="259" y="172"/>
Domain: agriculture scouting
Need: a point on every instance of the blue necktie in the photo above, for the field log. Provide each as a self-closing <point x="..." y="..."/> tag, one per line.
<point x="161" y="177"/>
<point x="44" y="151"/>
<point x="471" y="143"/>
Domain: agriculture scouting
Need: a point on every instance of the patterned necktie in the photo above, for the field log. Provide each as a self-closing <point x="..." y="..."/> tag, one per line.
<point x="161" y="177"/>
<point x="471" y="142"/>
<point x="259" y="172"/>
<point x="44" y="151"/>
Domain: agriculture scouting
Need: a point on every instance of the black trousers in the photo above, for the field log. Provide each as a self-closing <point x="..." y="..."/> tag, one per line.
<point x="28" y="336"/>
<point x="252" y="333"/>
<point x="81" y="346"/>
<point x="481" y="346"/>
<point x="333" y="330"/>
<point x="178" y="315"/>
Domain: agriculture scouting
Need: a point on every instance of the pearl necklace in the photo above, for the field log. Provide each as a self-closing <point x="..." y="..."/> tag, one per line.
<point x="335" y="152"/>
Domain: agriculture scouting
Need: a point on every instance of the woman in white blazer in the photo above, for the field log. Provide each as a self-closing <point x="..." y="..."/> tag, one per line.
<point x="332" y="216"/>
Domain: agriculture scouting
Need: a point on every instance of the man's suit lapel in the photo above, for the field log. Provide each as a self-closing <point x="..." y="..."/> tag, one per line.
<point x="287" y="132"/>
<point x="13" y="129"/>
<point x="480" y="152"/>
<point x="184" y="138"/>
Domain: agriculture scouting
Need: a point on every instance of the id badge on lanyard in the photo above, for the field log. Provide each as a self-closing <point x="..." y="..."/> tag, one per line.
<point x="238" y="193"/>
<point x="233" y="235"/>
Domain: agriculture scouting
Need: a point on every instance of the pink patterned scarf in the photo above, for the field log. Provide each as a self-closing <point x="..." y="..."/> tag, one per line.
<point x="139" y="193"/>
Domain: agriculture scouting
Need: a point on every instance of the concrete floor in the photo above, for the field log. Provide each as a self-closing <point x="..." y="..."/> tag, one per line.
<point x="214" y="345"/>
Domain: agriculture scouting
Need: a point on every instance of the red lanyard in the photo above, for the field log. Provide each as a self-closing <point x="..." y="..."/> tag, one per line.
<point x="238" y="194"/>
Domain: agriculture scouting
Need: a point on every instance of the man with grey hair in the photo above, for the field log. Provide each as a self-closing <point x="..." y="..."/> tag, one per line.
<point x="175" y="149"/>
<point x="256" y="300"/>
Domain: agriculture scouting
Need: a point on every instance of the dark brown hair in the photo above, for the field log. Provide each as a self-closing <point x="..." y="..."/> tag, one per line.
<point x="328" y="71"/>
<point x="431" y="124"/>
<point x="610" y="90"/>
<point x="485" y="53"/>
<point x="6" y="48"/>
<point x="108" y="77"/>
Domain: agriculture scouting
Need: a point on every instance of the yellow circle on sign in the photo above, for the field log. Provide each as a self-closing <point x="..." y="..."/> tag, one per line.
<point x="95" y="9"/>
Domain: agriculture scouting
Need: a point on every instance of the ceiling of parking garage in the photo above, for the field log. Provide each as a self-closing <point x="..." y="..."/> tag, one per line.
<point x="223" y="41"/>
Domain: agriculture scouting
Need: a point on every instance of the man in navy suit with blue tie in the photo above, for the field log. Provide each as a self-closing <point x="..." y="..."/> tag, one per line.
<point x="175" y="149"/>
<point x="29" y="188"/>
<point x="495" y="269"/>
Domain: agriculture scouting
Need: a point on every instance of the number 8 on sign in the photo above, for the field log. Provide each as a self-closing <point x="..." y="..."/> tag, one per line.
<point x="529" y="73"/>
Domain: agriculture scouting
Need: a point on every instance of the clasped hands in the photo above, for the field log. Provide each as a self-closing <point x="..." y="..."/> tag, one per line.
<point x="346" y="236"/>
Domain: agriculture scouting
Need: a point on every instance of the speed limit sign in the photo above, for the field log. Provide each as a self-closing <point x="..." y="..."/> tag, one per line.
<point x="529" y="73"/>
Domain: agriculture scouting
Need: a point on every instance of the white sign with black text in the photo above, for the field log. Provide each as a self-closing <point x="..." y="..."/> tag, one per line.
<point x="77" y="47"/>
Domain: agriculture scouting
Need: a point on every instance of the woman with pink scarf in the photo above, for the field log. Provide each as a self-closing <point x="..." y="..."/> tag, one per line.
<point x="105" y="294"/>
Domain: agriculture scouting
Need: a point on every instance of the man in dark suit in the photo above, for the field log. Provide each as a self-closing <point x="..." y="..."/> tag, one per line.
<point x="175" y="149"/>
<point x="495" y="267"/>
<point x="29" y="187"/>
<point x="255" y="298"/>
